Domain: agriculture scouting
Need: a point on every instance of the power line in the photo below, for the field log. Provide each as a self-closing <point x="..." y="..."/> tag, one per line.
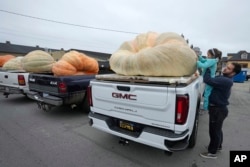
<point x="59" y="22"/>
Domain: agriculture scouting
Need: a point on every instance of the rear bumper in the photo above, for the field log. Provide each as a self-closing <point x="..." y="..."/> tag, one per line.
<point x="47" y="99"/>
<point x="11" y="90"/>
<point x="152" y="136"/>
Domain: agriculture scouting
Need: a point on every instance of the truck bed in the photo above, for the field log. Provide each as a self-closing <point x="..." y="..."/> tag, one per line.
<point x="48" y="83"/>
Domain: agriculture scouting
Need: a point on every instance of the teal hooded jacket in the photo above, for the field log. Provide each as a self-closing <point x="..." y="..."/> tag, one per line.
<point x="204" y="63"/>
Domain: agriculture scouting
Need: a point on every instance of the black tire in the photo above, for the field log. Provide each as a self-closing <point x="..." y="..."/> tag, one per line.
<point x="168" y="153"/>
<point x="26" y="96"/>
<point x="85" y="106"/>
<point x="193" y="137"/>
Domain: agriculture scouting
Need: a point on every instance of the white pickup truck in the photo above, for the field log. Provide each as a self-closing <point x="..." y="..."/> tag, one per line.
<point x="13" y="82"/>
<point x="161" y="112"/>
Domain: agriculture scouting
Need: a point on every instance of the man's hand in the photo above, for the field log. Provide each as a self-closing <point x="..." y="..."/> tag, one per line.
<point x="207" y="72"/>
<point x="207" y="75"/>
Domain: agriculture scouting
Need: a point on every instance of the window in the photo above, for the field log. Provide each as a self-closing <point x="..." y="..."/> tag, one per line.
<point x="244" y="55"/>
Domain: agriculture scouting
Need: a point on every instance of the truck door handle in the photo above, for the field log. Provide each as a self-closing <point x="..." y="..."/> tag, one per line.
<point x="123" y="88"/>
<point x="6" y="76"/>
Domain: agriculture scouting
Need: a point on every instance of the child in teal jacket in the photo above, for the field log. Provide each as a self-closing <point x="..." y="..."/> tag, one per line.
<point x="213" y="56"/>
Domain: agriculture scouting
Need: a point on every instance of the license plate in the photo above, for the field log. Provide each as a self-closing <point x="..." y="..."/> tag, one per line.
<point x="45" y="94"/>
<point x="126" y="125"/>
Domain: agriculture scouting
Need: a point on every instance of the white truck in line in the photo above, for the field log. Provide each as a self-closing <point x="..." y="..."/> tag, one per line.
<point x="13" y="82"/>
<point x="162" y="112"/>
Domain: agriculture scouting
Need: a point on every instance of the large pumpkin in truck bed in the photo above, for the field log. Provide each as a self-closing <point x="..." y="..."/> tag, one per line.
<point x="75" y="63"/>
<point x="14" y="64"/>
<point x="153" y="54"/>
<point x="5" y="58"/>
<point x="63" y="68"/>
<point x="38" y="61"/>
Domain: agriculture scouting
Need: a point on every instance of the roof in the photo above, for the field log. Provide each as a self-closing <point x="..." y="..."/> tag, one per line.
<point x="18" y="49"/>
<point x="224" y="59"/>
<point x="238" y="56"/>
<point x="21" y="49"/>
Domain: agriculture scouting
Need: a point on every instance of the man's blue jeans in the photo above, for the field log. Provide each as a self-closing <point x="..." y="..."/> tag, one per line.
<point x="216" y="117"/>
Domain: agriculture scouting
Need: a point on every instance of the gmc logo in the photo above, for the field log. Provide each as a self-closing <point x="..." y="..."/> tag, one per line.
<point x="124" y="96"/>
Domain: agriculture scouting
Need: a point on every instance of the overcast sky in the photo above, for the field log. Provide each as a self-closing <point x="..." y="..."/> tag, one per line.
<point x="103" y="25"/>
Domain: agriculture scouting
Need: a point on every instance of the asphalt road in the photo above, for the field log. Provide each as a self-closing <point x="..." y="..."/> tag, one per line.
<point x="62" y="137"/>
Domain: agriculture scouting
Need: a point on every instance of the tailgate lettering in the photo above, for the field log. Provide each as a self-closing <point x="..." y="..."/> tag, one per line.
<point x="53" y="83"/>
<point x="32" y="79"/>
<point x="124" y="96"/>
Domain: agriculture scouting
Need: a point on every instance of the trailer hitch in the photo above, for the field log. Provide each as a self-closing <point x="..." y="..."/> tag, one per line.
<point x="123" y="141"/>
<point x="6" y="94"/>
<point x="43" y="106"/>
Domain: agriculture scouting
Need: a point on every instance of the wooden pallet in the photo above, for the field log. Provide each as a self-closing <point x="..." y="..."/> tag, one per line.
<point x="145" y="79"/>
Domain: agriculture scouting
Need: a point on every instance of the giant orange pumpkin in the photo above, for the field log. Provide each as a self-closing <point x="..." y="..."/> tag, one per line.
<point x="82" y="64"/>
<point x="5" y="58"/>
<point x="62" y="68"/>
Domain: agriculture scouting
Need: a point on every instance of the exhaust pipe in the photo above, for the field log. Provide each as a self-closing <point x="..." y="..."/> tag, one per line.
<point x="73" y="106"/>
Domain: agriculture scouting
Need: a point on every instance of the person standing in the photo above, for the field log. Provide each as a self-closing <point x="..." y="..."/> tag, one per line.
<point x="213" y="57"/>
<point x="218" y="102"/>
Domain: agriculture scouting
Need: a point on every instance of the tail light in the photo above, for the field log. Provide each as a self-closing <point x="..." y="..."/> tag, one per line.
<point x="182" y="107"/>
<point x="21" y="80"/>
<point x="62" y="87"/>
<point x="89" y="95"/>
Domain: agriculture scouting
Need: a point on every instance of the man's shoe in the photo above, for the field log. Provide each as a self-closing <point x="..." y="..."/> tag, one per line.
<point x="219" y="149"/>
<point x="208" y="155"/>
